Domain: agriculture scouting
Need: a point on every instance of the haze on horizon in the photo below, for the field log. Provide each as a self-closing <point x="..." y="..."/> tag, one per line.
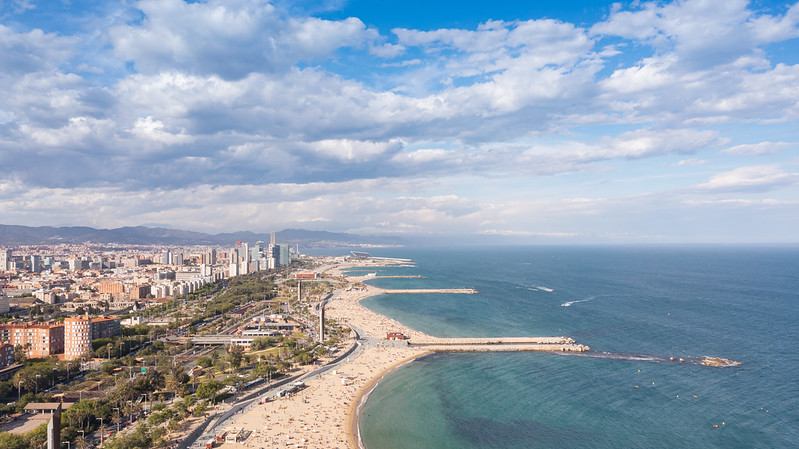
<point x="631" y="122"/>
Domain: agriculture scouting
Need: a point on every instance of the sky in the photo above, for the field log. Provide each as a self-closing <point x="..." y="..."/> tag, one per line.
<point x="535" y="122"/>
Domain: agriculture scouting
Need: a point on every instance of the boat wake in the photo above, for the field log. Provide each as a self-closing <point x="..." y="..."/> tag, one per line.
<point x="569" y="303"/>
<point x="540" y="288"/>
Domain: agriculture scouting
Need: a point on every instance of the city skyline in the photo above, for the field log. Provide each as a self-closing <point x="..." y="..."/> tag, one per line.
<point x="631" y="122"/>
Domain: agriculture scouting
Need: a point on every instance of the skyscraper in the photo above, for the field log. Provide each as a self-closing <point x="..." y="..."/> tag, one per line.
<point x="244" y="254"/>
<point x="5" y="258"/>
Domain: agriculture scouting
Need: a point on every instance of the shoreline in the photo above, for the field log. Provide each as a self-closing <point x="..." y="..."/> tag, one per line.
<point x="327" y="412"/>
<point x="353" y="416"/>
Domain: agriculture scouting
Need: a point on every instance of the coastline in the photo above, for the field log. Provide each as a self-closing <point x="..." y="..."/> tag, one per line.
<point x="363" y="395"/>
<point x="325" y="413"/>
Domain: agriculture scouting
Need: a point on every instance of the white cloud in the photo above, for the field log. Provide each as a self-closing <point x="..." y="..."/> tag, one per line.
<point x="258" y="110"/>
<point x="33" y="51"/>
<point x="755" y="178"/>
<point x="690" y="162"/>
<point x="759" y="148"/>
<point x="228" y="38"/>
<point x="150" y="129"/>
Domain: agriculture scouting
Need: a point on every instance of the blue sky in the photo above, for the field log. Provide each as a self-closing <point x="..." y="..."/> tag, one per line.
<point x="551" y="122"/>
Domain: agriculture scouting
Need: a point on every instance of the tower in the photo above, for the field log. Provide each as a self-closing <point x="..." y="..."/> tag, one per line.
<point x="54" y="429"/>
<point x="321" y="323"/>
<point x="5" y="258"/>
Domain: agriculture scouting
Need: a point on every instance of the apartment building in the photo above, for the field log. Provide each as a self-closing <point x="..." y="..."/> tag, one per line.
<point x="41" y="340"/>
<point x="6" y="354"/>
<point x="79" y="332"/>
<point x="77" y="336"/>
<point x="106" y="327"/>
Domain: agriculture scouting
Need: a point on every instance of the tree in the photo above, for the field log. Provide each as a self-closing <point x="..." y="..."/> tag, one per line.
<point x="176" y="377"/>
<point x="283" y="366"/>
<point x="10" y="440"/>
<point x="235" y="353"/>
<point x="303" y="357"/>
<point x="200" y="409"/>
<point x="204" y="362"/>
<point x="37" y="438"/>
<point x="208" y="390"/>
<point x="21" y="353"/>
<point x="81" y="411"/>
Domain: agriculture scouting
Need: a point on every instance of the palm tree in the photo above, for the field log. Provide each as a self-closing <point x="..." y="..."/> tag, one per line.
<point x="102" y="430"/>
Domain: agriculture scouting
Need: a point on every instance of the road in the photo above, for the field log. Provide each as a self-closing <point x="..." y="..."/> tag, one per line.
<point x="221" y="419"/>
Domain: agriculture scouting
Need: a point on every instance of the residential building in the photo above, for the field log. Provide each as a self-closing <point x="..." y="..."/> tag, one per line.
<point x="40" y="340"/>
<point x="139" y="291"/>
<point x="106" y="327"/>
<point x="5" y="258"/>
<point x="77" y="336"/>
<point x="6" y="354"/>
<point x="4" y="303"/>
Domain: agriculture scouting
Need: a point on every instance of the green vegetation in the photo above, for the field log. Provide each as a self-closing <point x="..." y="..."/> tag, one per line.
<point x="36" y="438"/>
<point x="153" y="373"/>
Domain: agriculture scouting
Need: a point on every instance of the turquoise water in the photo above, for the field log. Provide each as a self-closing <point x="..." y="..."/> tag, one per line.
<point x="633" y="303"/>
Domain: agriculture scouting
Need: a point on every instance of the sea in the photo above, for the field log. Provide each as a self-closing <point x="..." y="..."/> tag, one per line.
<point x="636" y="307"/>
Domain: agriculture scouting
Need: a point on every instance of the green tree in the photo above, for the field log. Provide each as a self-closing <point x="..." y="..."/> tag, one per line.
<point x="200" y="409"/>
<point x="176" y="377"/>
<point x="303" y="357"/>
<point x="235" y="354"/>
<point x="10" y="440"/>
<point x="208" y="390"/>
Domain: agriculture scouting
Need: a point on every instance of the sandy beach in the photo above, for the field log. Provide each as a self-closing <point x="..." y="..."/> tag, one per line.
<point x="323" y="415"/>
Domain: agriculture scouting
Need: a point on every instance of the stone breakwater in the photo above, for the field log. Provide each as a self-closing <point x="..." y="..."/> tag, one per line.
<point x="461" y="291"/>
<point x="495" y="344"/>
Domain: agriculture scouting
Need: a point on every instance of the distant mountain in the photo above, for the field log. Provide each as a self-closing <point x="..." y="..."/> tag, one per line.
<point x="140" y="235"/>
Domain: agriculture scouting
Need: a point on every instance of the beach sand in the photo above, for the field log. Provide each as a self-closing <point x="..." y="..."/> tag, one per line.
<point x="323" y="415"/>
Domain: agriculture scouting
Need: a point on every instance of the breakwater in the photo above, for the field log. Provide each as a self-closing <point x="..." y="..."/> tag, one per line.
<point x="498" y="344"/>
<point x="462" y="291"/>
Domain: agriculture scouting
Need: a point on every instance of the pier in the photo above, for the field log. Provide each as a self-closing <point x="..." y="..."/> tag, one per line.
<point x="462" y="291"/>
<point x="498" y="344"/>
<point x="374" y="275"/>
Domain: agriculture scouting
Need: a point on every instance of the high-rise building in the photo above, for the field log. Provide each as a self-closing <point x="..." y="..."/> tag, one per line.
<point x="5" y="258"/>
<point x="244" y="254"/>
<point x="210" y="258"/>
<point x="256" y="251"/>
<point x="4" y="303"/>
<point x="77" y="336"/>
<point x="285" y="254"/>
<point x="36" y="263"/>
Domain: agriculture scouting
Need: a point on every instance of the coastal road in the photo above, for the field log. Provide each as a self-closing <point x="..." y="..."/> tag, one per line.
<point x="220" y="419"/>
